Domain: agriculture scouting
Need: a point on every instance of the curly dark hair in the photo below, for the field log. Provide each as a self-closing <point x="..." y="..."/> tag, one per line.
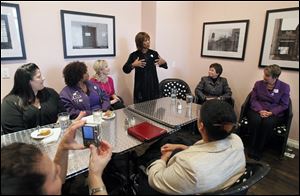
<point x="74" y="72"/>
<point x="19" y="175"/>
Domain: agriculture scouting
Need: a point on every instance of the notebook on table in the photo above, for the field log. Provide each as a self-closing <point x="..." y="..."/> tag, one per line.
<point x="146" y="131"/>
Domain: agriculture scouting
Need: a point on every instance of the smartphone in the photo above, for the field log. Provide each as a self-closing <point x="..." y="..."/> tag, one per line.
<point x="90" y="135"/>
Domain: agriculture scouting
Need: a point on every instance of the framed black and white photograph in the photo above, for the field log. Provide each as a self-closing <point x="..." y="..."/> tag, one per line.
<point x="87" y="35"/>
<point x="12" y="41"/>
<point x="280" y="43"/>
<point x="225" y="39"/>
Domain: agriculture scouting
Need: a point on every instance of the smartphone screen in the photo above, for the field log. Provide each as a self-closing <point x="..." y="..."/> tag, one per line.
<point x="88" y="132"/>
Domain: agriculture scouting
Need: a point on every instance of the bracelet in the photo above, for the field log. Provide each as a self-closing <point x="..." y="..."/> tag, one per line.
<point x="96" y="190"/>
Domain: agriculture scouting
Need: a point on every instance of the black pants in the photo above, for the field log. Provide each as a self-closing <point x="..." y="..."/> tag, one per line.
<point x="261" y="130"/>
<point x="117" y="105"/>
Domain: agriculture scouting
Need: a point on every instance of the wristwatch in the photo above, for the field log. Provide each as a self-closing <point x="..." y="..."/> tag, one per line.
<point x="96" y="190"/>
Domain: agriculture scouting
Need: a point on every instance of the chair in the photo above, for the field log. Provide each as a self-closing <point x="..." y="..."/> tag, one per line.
<point x="166" y="85"/>
<point x="281" y="131"/>
<point x="255" y="171"/>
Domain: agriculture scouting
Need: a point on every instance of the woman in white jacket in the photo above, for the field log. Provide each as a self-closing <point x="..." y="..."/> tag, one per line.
<point x="213" y="163"/>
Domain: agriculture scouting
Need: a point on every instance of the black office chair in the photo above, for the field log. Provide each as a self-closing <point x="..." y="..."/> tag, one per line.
<point x="281" y="131"/>
<point x="166" y="85"/>
<point x="255" y="171"/>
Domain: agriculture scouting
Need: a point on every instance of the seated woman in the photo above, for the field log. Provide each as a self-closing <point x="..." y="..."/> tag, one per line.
<point x="213" y="86"/>
<point x="106" y="83"/>
<point x="199" y="168"/>
<point x="80" y="94"/>
<point x="269" y="99"/>
<point x="29" y="103"/>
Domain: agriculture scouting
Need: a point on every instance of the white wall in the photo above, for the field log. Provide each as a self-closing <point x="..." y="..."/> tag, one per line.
<point x="43" y="41"/>
<point x="179" y="36"/>
<point x="176" y="33"/>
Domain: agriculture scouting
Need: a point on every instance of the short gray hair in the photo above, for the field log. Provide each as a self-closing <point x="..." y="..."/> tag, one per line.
<point x="274" y="70"/>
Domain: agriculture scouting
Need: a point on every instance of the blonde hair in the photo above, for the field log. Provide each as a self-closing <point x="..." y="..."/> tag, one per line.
<point x="98" y="66"/>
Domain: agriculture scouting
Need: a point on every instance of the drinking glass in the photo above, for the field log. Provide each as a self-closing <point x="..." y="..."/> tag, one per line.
<point x="97" y="113"/>
<point x="173" y="94"/>
<point x="189" y="99"/>
<point x="64" y="120"/>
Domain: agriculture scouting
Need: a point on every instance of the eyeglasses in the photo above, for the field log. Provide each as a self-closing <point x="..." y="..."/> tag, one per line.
<point x="233" y="125"/>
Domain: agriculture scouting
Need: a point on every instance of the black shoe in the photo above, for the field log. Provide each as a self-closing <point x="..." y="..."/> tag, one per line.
<point x="254" y="156"/>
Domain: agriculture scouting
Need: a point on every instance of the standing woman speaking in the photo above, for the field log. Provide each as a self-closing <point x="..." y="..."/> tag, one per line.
<point x="144" y="61"/>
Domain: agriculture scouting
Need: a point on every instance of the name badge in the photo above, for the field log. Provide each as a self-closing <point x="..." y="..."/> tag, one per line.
<point x="276" y="90"/>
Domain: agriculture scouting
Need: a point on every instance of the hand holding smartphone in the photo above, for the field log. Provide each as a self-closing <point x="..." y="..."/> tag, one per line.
<point x="90" y="135"/>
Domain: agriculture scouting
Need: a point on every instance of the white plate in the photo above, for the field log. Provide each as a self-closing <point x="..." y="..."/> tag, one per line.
<point x="107" y="118"/>
<point x="36" y="132"/>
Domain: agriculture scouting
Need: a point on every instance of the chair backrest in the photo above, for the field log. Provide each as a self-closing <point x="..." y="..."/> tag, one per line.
<point x="255" y="171"/>
<point x="166" y="85"/>
<point x="245" y="106"/>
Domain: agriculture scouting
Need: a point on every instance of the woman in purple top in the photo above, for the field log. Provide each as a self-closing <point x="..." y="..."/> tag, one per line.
<point x="268" y="102"/>
<point x="80" y="94"/>
<point x="106" y="83"/>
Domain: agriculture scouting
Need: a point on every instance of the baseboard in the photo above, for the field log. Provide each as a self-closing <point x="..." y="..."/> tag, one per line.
<point x="293" y="143"/>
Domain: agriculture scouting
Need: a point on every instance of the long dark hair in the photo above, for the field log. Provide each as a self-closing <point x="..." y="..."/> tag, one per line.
<point x="19" y="175"/>
<point x="22" y="87"/>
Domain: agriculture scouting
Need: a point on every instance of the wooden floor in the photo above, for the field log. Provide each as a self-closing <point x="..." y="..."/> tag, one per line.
<point x="283" y="179"/>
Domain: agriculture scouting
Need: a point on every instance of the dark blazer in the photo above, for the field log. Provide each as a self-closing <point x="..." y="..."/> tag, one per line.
<point x="207" y="88"/>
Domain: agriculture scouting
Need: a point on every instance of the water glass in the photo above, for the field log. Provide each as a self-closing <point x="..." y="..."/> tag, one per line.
<point x="64" y="120"/>
<point x="97" y="113"/>
<point x="189" y="99"/>
<point x="173" y="94"/>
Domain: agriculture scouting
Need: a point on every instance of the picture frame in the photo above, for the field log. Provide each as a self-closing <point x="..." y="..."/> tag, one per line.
<point x="87" y="34"/>
<point x="12" y="40"/>
<point x="225" y="39"/>
<point x="280" y="43"/>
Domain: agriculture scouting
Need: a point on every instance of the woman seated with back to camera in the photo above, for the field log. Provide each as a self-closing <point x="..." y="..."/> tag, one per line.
<point x="269" y="100"/>
<point x="213" y="163"/>
<point x="106" y="83"/>
<point x="81" y="94"/>
<point x="29" y="103"/>
<point x="213" y="86"/>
